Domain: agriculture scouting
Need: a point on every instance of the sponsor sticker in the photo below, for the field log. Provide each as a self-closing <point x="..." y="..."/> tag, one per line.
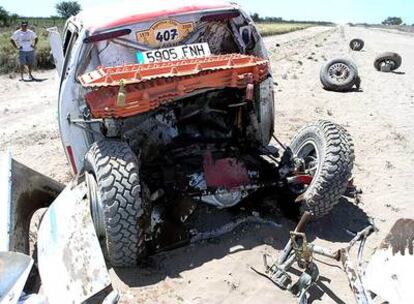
<point x="163" y="32"/>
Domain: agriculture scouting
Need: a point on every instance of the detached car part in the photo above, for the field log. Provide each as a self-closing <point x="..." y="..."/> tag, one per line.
<point x="69" y="258"/>
<point x="14" y="270"/>
<point x="389" y="272"/>
<point x="71" y="264"/>
<point x="326" y="151"/>
<point x="340" y="75"/>
<point x="387" y="62"/>
<point x="300" y="251"/>
<point x="385" y="279"/>
<point x="23" y="191"/>
<point x="356" y="44"/>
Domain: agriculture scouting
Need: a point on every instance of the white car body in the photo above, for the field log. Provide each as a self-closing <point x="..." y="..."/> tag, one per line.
<point x="138" y="16"/>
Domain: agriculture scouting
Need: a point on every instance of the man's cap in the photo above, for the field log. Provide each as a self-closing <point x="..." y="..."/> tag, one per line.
<point x="25" y="23"/>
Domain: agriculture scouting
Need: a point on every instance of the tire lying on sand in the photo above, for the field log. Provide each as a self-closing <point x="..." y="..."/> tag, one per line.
<point x="326" y="152"/>
<point x="356" y="44"/>
<point x="115" y="194"/>
<point x="340" y="75"/>
<point x="387" y="62"/>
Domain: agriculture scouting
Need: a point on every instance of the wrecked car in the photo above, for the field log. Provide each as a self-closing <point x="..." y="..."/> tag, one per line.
<point x="160" y="106"/>
<point x="160" y="110"/>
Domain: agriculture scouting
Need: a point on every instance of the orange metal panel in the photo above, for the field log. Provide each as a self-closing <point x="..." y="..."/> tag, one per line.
<point x="148" y="86"/>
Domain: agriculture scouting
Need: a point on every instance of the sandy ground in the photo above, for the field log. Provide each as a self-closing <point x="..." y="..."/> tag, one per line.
<point x="379" y="117"/>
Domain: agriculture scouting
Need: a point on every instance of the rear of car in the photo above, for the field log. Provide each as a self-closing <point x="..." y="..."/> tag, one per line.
<point x="142" y="83"/>
<point x="127" y="33"/>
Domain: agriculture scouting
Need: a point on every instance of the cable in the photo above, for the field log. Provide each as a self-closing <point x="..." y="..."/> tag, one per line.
<point x="279" y="142"/>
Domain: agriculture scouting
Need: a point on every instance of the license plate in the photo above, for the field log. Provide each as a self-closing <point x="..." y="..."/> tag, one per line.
<point x="196" y="50"/>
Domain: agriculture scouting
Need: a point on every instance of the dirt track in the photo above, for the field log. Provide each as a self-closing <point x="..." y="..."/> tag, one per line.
<point x="379" y="117"/>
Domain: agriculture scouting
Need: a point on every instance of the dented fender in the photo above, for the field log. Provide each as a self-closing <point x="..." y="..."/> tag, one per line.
<point x="71" y="264"/>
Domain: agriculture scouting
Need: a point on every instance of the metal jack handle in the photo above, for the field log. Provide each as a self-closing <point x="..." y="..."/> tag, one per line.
<point x="300" y="227"/>
<point x="277" y="270"/>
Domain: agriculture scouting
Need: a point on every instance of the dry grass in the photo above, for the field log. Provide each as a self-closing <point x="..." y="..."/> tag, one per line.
<point x="9" y="55"/>
<point x="269" y="29"/>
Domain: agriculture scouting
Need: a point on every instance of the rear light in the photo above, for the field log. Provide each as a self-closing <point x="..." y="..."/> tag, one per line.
<point x="71" y="159"/>
<point x="220" y="17"/>
<point x="107" y="35"/>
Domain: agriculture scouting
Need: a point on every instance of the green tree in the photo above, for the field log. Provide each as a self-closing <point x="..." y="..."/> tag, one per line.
<point x="392" y="21"/>
<point x="4" y="17"/>
<point x="255" y="17"/>
<point x="68" y="8"/>
<point x="13" y="18"/>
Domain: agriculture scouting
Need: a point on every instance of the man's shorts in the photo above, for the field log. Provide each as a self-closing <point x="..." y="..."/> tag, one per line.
<point x="27" y="58"/>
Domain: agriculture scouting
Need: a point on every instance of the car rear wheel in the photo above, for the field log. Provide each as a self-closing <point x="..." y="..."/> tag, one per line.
<point x="115" y="194"/>
<point x="325" y="152"/>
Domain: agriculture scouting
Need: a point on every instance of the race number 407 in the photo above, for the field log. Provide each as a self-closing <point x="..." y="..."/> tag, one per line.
<point x="166" y="35"/>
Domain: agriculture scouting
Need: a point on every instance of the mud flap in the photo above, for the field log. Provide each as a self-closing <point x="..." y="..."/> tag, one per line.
<point x="22" y="192"/>
<point x="14" y="270"/>
<point x="71" y="264"/>
<point x="389" y="273"/>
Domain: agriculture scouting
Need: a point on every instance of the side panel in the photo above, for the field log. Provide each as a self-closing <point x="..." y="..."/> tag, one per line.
<point x="74" y="138"/>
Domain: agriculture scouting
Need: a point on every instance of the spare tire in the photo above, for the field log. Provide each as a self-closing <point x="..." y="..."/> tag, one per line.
<point x="327" y="153"/>
<point x="339" y="75"/>
<point x="356" y="44"/>
<point x="115" y="194"/>
<point x="387" y="62"/>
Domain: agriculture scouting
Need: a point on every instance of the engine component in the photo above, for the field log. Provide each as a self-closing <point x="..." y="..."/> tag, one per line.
<point x="220" y="198"/>
<point x="225" y="199"/>
<point x="147" y="135"/>
<point x="226" y="172"/>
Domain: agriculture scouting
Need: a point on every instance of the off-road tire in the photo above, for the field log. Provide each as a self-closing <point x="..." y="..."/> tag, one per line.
<point x="116" y="170"/>
<point x="356" y="44"/>
<point x="335" y="163"/>
<point x="388" y="56"/>
<point x="347" y="84"/>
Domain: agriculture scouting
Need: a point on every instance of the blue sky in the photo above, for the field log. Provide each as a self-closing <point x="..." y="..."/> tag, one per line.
<point x="341" y="11"/>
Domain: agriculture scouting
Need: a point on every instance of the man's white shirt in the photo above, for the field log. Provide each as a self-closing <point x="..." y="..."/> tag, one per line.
<point x="24" y="40"/>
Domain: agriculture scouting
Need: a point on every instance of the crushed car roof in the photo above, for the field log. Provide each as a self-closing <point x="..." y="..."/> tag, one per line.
<point x="128" y="12"/>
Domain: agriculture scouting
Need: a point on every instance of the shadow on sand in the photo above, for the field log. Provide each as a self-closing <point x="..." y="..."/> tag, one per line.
<point x="345" y="216"/>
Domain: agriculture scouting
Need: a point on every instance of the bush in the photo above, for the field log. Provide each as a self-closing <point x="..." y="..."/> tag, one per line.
<point x="392" y="21"/>
<point x="4" y="17"/>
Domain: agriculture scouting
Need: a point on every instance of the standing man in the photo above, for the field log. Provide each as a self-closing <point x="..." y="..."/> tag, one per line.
<point x="25" y="41"/>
